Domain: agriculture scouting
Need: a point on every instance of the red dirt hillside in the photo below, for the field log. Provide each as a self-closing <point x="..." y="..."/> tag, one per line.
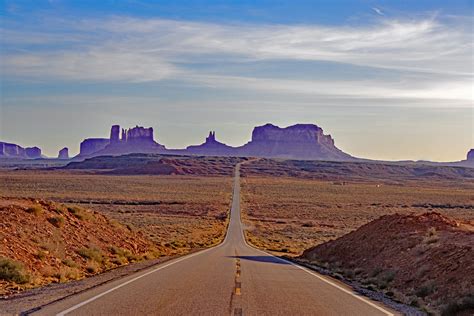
<point x="44" y="242"/>
<point x="424" y="260"/>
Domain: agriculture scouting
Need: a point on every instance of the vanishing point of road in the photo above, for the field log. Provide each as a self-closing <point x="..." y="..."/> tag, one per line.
<point x="229" y="279"/>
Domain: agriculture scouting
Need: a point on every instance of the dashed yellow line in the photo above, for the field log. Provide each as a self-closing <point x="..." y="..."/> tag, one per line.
<point x="238" y="286"/>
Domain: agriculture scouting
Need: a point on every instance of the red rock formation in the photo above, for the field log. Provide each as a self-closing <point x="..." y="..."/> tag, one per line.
<point x="139" y="134"/>
<point x="470" y="155"/>
<point x="63" y="153"/>
<point x="211" y="147"/>
<point x="212" y="137"/>
<point x="15" y="151"/>
<point x="134" y="140"/>
<point x="124" y="136"/>
<point x="115" y="134"/>
<point x="300" y="141"/>
<point x="90" y="146"/>
<point x="33" y="152"/>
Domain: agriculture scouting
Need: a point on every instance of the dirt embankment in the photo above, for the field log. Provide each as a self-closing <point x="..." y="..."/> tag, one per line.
<point x="44" y="242"/>
<point x="424" y="260"/>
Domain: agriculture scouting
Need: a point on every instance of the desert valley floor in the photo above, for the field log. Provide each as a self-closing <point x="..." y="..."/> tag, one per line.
<point x="287" y="207"/>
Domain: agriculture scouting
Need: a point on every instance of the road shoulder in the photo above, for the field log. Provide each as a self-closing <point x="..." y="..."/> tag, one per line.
<point x="34" y="299"/>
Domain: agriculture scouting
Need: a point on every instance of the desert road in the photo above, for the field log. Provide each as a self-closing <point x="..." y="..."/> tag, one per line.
<point x="229" y="279"/>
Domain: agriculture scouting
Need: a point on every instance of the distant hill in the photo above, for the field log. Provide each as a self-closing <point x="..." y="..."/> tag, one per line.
<point x="371" y="170"/>
<point x="423" y="260"/>
<point x="159" y="164"/>
<point x="156" y="164"/>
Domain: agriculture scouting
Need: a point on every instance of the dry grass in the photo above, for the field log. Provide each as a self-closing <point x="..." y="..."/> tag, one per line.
<point x="13" y="271"/>
<point x="181" y="212"/>
<point x="290" y="215"/>
<point x="57" y="246"/>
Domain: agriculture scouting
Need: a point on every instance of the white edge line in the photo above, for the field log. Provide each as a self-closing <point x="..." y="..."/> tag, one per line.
<point x="362" y="298"/>
<point x="132" y="280"/>
<point x="206" y="250"/>
<point x="152" y="271"/>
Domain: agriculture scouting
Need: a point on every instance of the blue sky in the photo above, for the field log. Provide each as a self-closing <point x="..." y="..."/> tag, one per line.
<point x="387" y="79"/>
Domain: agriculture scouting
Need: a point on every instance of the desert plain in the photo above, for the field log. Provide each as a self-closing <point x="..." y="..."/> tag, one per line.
<point x="171" y="207"/>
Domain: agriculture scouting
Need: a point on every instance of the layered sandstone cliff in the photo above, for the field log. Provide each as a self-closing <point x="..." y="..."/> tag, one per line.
<point x="90" y="146"/>
<point x="134" y="140"/>
<point x="63" y="153"/>
<point x="470" y="155"/>
<point x="8" y="150"/>
<point x="300" y="141"/>
<point x="122" y="141"/>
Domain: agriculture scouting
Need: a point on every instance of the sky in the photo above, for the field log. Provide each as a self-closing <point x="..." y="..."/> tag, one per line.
<point x="390" y="80"/>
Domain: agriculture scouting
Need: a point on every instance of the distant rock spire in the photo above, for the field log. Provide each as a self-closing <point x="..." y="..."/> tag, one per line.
<point x="124" y="135"/>
<point x="211" y="137"/>
<point x="114" y="134"/>
<point x="63" y="153"/>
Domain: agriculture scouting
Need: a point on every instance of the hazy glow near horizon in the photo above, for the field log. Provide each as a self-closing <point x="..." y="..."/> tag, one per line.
<point x="387" y="81"/>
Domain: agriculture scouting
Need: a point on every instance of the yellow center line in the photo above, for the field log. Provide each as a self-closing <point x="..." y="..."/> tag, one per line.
<point x="238" y="290"/>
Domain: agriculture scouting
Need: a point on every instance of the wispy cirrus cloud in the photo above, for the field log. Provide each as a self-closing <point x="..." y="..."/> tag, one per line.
<point x="378" y="11"/>
<point x="442" y="90"/>
<point x="139" y="50"/>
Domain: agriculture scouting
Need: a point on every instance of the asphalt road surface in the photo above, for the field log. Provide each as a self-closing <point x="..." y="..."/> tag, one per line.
<point x="230" y="279"/>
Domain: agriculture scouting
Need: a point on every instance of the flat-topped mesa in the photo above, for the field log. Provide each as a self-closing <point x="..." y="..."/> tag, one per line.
<point x="89" y="146"/>
<point x="11" y="150"/>
<point x="300" y="141"/>
<point x="299" y="133"/>
<point x="122" y="141"/>
<point x="137" y="139"/>
<point x="8" y="150"/>
<point x="470" y="155"/>
<point x="139" y="134"/>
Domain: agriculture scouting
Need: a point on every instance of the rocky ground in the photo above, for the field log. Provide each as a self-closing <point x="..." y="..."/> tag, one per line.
<point x="423" y="260"/>
<point x="46" y="242"/>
